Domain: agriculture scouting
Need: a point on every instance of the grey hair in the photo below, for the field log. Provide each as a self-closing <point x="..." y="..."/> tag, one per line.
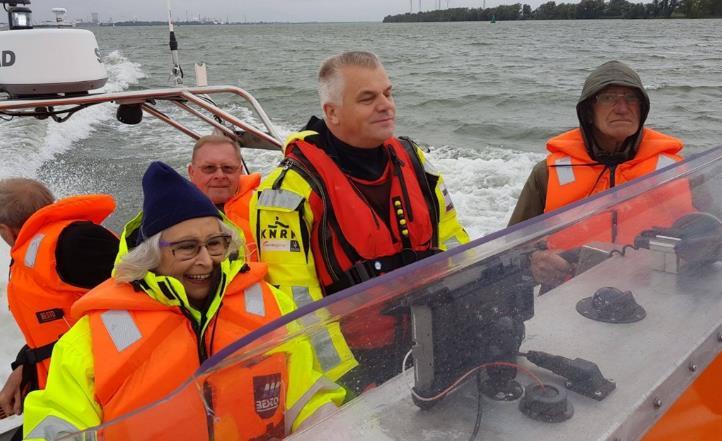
<point x="330" y="82"/>
<point x="146" y="256"/>
<point x="20" y="198"/>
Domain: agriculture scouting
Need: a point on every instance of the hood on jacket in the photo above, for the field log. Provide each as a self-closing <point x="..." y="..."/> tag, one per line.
<point x="611" y="73"/>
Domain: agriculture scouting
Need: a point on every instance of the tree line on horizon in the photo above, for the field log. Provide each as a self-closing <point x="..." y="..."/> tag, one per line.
<point x="584" y="10"/>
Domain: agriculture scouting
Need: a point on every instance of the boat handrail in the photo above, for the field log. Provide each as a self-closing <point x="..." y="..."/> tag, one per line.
<point x="269" y="140"/>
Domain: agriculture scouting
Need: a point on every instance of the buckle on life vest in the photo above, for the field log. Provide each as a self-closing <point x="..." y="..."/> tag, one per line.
<point x="368" y="269"/>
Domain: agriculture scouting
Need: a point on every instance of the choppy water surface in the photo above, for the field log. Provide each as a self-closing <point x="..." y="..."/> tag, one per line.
<point x="484" y="97"/>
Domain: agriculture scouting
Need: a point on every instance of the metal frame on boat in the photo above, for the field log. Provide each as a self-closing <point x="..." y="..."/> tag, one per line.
<point x="183" y="97"/>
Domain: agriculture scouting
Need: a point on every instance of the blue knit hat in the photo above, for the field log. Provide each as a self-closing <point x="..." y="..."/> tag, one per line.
<point x="170" y="199"/>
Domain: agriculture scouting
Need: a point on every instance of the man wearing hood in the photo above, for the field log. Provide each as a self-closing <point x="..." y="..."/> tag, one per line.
<point x="610" y="147"/>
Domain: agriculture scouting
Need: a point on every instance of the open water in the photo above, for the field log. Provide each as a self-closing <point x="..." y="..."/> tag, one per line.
<point x="484" y="98"/>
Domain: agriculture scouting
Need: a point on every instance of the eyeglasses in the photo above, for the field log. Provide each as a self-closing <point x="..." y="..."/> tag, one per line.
<point x="188" y="249"/>
<point x="226" y="169"/>
<point x="609" y="99"/>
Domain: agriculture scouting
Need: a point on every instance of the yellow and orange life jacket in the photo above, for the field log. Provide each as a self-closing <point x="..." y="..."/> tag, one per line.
<point x="143" y="350"/>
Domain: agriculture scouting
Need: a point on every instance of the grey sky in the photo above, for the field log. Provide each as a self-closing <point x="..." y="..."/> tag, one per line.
<point x="250" y="10"/>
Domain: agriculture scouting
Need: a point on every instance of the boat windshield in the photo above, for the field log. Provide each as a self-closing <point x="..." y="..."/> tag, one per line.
<point x="470" y="341"/>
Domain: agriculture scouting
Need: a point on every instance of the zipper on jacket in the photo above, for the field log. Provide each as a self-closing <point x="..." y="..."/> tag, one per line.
<point x="612" y="175"/>
<point x="197" y="328"/>
<point x="279" y="180"/>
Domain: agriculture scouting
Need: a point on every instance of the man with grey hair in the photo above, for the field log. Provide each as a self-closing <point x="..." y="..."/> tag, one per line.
<point x="351" y="201"/>
<point x="216" y="168"/>
<point x="59" y="251"/>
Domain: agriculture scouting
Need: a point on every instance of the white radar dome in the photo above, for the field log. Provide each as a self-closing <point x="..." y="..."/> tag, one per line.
<point x="49" y="62"/>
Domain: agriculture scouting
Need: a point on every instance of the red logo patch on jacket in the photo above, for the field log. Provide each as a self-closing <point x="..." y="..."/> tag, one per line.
<point x="267" y="394"/>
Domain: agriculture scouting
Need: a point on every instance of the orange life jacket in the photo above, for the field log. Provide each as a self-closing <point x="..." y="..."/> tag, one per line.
<point x="159" y="350"/>
<point x="355" y="241"/>
<point x="574" y="175"/>
<point x="39" y="299"/>
<point x="236" y="209"/>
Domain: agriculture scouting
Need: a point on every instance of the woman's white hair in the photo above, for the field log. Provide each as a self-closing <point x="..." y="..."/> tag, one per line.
<point x="330" y="81"/>
<point x="146" y="256"/>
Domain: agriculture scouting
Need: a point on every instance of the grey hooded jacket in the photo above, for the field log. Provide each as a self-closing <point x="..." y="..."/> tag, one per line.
<point x="612" y="73"/>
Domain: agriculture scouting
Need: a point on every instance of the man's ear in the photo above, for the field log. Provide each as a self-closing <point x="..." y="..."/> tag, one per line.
<point x="8" y="234"/>
<point x="190" y="170"/>
<point x="330" y="111"/>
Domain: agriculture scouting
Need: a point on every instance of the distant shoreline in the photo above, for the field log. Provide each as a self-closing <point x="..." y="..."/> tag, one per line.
<point x="584" y="10"/>
<point x="198" y="23"/>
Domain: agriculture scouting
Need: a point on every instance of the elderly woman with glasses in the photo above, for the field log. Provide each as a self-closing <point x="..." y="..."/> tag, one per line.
<point x="180" y="292"/>
<point x="611" y="146"/>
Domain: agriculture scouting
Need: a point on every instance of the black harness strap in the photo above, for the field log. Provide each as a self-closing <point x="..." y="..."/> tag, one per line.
<point x="368" y="269"/>
<point x="32" y="357"/>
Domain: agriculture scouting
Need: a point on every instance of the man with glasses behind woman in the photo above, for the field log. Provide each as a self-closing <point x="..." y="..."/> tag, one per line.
<point x="610" y="147"/>
<point x="216" y="169"/>
<point x="180" y="292"/>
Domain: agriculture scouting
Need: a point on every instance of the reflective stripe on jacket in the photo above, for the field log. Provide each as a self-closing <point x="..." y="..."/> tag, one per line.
<point x="143" y="349"/>
<point x="573" y="175"/>
<point x="138" y="342"/>
<point x="236" y="209"/>
<point x="39" y="299"/>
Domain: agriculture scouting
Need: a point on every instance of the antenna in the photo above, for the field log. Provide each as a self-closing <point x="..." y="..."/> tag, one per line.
<point x="176" y="73"/>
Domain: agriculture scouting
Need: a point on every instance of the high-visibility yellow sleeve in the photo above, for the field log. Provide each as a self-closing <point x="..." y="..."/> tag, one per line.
<point x="451" y="232"/>
<point x="308" y="389"/>
<point x="281" y="222"/>
<point x="67" y="404"/>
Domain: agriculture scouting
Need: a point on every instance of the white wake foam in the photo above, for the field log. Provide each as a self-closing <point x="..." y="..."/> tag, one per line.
<point x="484" y="185"/>
<point x="28" y="143"/>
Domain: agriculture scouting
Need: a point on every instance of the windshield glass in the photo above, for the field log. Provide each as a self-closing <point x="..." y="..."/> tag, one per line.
<point x="481" y="339"/>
